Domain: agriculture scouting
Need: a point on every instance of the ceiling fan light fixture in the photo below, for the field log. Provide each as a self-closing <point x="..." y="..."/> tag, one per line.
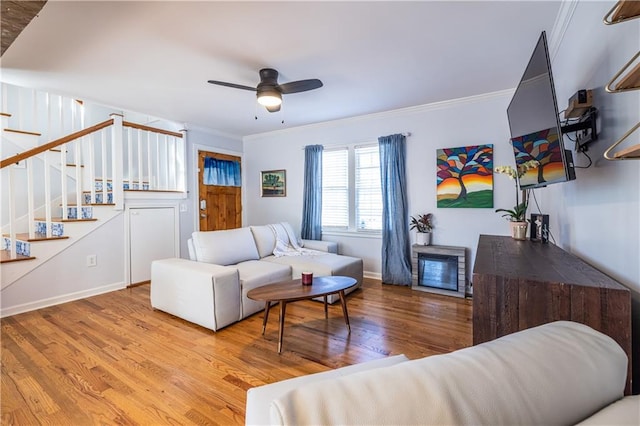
<point x="269" y="97"/>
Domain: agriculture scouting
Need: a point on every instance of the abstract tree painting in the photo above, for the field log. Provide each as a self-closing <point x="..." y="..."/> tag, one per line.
<point x="465" y="177"/>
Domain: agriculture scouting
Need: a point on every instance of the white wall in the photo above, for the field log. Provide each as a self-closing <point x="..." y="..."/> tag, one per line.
<point x="66" y="276"/>
<point x="597" y="216"/>
<point x="471" y="121"/>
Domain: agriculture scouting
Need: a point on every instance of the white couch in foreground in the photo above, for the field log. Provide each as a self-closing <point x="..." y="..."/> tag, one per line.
<point x="561" y="373"/>
<point x="211" y="288"/>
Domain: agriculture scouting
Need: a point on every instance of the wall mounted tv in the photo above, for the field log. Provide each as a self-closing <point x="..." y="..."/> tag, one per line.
<point x="536" y="133"/>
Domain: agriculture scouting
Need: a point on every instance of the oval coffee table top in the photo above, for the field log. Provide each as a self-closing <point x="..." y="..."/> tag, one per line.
<point x="294" y="290"/>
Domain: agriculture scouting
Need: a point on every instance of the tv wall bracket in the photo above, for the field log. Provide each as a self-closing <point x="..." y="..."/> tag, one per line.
<point x="586" y="129"/>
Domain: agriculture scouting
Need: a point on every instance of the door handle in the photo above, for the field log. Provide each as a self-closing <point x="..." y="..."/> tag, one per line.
<point x="203" y="204"/>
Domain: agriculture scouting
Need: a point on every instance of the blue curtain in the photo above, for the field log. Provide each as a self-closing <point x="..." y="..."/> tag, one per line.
<point x="396" y="248"/>
<point x="312" y="200"/>
<point x="221" y="172"/>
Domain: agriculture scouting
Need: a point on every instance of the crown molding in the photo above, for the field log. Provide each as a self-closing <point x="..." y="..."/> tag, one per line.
<point x="388" y="114"/>
<point x="560" y="26"/>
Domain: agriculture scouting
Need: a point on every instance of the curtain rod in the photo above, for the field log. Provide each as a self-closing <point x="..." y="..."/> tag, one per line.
<point x="405" y="134"/>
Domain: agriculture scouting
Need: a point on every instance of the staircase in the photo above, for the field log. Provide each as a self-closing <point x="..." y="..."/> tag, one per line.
<point x="61" y="180"/>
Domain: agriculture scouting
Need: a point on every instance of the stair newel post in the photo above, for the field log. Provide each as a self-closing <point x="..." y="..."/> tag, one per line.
<point x="117" y="161"/>
<point x="30" y="202"/>
<point x="63" y="182"/>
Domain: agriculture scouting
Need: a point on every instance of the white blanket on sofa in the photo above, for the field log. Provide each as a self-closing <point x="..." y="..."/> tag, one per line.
<point x="287" y="243"/>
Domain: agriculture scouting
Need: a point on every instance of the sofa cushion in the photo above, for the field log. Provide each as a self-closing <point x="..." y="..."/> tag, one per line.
<point x="256" y="273"/>
<point x="225" y="247"/>
<point x="265" y="240"/>
<point x="321" y="265"/>
<point x="259" y="398"/>
<point x="202" y="293"/>
<point x="623" y="412"/>
<point x="557" y="373"/>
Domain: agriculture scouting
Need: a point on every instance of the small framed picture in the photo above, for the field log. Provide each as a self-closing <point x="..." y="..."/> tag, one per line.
<point x="273" y="183"/>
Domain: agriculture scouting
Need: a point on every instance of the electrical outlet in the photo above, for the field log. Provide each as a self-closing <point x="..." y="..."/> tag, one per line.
<point x="92" y="260"/>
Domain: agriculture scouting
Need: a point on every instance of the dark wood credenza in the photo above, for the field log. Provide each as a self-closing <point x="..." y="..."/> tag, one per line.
<point x="522" y="284"/>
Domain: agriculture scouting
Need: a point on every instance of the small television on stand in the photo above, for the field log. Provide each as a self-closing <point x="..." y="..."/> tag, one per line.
<point x="536" y="131"/>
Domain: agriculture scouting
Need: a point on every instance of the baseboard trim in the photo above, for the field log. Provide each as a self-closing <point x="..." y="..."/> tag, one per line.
<point x="372" y="275"/>
<point x="44" y="303"/>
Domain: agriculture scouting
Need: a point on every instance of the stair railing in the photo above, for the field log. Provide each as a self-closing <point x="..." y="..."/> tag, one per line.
<point x="155" y="160"/>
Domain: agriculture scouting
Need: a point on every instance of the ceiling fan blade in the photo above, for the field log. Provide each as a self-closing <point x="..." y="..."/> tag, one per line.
<point x="275" y="108"/>
<point x="235" y="86"/>
<point x="300" y="86"/>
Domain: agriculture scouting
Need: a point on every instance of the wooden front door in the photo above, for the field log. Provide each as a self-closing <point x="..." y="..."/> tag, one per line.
<point x="220" y="207"/>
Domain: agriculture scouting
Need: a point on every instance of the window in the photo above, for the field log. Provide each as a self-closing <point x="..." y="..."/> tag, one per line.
<point x="351" y="195"/>
<point x="335" y="189"/>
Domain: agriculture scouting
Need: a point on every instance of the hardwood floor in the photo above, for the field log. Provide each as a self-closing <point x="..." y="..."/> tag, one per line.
<point x="111" y="359"/>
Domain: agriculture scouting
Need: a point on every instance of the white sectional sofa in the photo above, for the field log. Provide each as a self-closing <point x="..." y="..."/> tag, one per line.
<point x="561" y="373"/>
<point x="211" y="288"/>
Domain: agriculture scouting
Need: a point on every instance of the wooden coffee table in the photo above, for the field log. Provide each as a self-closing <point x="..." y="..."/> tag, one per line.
<point x="291" y="291"/>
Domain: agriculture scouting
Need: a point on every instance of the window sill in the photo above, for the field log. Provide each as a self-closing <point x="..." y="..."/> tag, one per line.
<point x="353" y="234"/>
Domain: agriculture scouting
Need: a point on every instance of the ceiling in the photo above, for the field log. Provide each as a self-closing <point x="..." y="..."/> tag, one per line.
<point x="156" y="57"/>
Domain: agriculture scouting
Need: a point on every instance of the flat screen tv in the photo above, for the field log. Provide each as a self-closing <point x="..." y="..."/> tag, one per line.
<point x="536" y="133"/>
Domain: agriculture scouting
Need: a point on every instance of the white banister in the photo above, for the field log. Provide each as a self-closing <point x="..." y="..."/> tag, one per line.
<point x="48" y="201"/>
<point x="30" y="203"/>
<point x="77" y="159"/>
<point x="63" y="181"/>
<point x="12" y="214"/>
<point x="90" y="168"/>
<point x="158" y="160"/>
<point x="103" y="171"/>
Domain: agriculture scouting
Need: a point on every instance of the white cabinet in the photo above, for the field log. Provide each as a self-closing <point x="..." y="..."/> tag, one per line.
<point x="153" y="234"/>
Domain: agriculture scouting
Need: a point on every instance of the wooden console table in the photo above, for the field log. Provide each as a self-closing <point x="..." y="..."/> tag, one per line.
<point x="522" y="284"/>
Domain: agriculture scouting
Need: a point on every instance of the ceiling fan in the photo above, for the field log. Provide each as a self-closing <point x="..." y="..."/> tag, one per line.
<point x="269" y="92"/>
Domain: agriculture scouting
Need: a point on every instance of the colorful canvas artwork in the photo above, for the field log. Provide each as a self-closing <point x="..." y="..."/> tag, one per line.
<point x="465" y="177"/>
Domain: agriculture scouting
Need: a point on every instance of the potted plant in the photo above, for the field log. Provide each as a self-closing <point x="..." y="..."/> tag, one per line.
<point x="423" y="225"/>
<point x="517" y="215"/>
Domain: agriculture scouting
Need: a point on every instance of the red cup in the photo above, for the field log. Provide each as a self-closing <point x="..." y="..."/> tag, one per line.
<point x="307" y="278"/>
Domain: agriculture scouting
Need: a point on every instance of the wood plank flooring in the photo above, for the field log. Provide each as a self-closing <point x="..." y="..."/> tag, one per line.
<point x="111" y="359"/>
